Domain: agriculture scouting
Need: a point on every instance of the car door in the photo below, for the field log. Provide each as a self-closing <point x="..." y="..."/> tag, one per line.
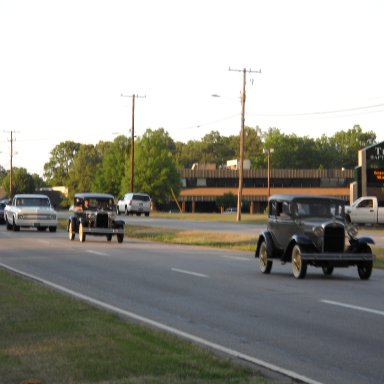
<point x="282" y="224"/>
<point x="364" y="212"/>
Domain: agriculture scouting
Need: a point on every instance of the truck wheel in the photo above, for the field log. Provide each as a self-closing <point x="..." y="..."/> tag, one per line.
<point x="9" y="226"/>
<point x="52" y="229"/>
<point x="265" y="264"/>
<point x="71" y="232"/>
<point x="81" y="233"/>
<point x="327" y="270"/>
<point x="126" y="211"/>
<point x="109" y="237"/>
<point x="299" y="266"/>
<point x="117" y="210"/>
<point x="15" y="227"/>
<point x="120" y="238"/>
<point x="364" y="269"/>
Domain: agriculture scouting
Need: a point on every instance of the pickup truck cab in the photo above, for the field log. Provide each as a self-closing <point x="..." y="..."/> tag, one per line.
<point x="29" y="210"/>
<point x="365" y="210"/>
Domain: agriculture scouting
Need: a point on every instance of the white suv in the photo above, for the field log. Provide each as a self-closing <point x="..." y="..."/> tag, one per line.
<point x="134" y="203"/>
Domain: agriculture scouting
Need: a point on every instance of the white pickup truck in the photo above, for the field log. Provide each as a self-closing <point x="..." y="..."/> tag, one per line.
<point x="365" y="210"/>
<point x="28" y="210"/>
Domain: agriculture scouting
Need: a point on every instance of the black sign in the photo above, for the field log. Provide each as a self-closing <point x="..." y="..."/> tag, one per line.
<point x="375" y="177"/>
<point x="375" y="156"/>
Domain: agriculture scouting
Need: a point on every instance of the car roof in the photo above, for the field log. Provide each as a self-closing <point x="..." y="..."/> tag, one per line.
<point x="30" y="195"/>
<point x="90" y="195"/>
<point x="284" y="197"/>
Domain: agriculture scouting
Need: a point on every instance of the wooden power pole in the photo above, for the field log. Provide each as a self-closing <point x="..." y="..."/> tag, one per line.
<point x="241" y="165"/>
<point x="131" y="184"/>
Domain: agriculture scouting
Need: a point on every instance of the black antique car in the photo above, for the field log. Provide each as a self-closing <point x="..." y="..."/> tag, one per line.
<point x="312" y="230"/>
<point x="94" y="214"/>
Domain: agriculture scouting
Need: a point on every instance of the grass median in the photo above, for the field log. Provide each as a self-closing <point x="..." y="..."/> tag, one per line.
<point x="53" y="338"/>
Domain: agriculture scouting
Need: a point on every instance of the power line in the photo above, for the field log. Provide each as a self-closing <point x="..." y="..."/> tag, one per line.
<point x="320" y="112"/>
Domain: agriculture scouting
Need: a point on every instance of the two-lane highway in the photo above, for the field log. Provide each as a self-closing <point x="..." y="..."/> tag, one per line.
<point x="324" y="330"/>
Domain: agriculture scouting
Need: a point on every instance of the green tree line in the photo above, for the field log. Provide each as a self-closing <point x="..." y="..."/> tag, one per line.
<point x="105" y="167"/>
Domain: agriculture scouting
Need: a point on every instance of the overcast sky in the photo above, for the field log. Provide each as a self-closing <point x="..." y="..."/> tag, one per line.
<point x="64" y="65"/>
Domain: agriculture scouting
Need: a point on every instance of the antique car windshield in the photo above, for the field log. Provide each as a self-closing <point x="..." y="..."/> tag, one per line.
<point x="100" y="204"/>
<point x="319" y="208"/>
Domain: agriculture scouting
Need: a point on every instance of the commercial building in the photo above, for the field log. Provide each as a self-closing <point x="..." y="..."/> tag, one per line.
<point x="201" y="186"/>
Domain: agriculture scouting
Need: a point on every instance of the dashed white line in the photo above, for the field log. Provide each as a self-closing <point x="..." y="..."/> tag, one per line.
<point x="190" y="273"/>
<point x="241" y="258"/>
<point x="97" y="252"/>
<point x="344" y="305"/>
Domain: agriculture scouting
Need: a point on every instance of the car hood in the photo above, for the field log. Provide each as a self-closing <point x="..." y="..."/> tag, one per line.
<point x="320" y="221"/>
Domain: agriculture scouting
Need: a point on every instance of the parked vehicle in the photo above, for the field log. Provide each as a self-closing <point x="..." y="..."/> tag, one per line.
<point x="2" y="207"/>
<point x="365" y="210"/>
<point x="94" y="214"/>
<point x="311" y="230"/>
<point x="134" y="203"/>
<point x="29" y="210"/>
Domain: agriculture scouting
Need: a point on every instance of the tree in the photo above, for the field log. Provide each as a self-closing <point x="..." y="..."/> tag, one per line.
<point x="347" y="144"/>
<point x="227" y="200"/>
<point x="112" y="168"/>
<point x="291" y="151"/>
<point x="56" y="170"/>
<point x="22" y="182"/>
<point x="83" y="168"/>
<point x="155" y="166"/>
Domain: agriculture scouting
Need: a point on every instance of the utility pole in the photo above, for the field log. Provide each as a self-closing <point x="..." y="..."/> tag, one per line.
<point x="132" y="138"/>
<point x="10" y="162"/>
<point x="240" y="191"/>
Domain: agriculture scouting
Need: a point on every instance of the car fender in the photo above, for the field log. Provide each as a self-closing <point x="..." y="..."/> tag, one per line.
<point x="119" y="223"/>
<point x="74" y="221"/>
<point x="361" y="241"/>
<point x="365" y="240"/>
<point x="267" y="237"/>
<point x="302" y="240"/>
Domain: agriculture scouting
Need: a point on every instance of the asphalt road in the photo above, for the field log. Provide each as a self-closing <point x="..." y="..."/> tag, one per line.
<point x="320" y="330"/>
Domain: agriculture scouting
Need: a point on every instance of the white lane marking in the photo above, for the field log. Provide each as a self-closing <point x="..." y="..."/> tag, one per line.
<point x="97" y="253"/>
<point x="42" y="241"/>
<point x="167" y="328"/>
<point x="190" y="273"/>
<point x="363" y="309"/>
<point x="241" y="258"/>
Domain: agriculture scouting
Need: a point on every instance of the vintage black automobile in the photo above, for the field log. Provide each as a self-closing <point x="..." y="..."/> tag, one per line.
<point x="94" y="214"/>
<point x="312" y="230"/>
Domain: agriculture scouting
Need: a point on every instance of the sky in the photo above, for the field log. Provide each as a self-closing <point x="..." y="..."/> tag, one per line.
<point x="66" y="65"/>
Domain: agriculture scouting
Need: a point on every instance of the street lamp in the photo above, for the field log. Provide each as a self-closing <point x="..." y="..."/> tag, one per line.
<point x="268" y="153"/>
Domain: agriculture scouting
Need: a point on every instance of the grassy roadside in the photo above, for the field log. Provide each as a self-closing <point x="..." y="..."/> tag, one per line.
<point x="192" y="237"/>
<point x="53" y="338"/>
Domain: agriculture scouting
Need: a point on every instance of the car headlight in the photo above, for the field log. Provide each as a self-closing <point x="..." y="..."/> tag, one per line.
<point x="318" y="231"/>
<point x="352" y="230"/>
